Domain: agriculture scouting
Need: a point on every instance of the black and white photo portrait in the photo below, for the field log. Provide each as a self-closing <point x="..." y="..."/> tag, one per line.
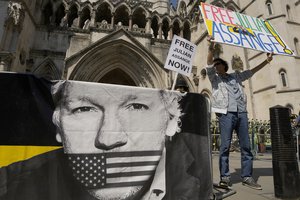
<point x="110" y="142"/>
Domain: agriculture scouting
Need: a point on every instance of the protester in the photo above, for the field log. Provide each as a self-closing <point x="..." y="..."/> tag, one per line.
<point x="229" y="104"/>
<point x="181" y="86"/>
<point x="297" y="121"/>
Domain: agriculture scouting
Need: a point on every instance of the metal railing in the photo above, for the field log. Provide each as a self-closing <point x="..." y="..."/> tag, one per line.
<point x="260" y="137"/>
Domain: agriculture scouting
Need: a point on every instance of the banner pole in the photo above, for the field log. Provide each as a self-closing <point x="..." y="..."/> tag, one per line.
<point x="174" y="83"/>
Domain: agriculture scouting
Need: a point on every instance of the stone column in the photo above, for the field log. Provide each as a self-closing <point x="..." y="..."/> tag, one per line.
<point x="130" y="22"/>
<point x="93" y="18"/>
<point x="2" y="65"/>
<point x="112" y="20"/>
<point x="181" y="32"/>
<point x="170" y="37"/>
<point x="160" y="31"/>
<point x="148" y="25"/>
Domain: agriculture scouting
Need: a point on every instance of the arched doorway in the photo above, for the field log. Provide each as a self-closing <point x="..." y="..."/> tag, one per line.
<point x="117" y="76"/>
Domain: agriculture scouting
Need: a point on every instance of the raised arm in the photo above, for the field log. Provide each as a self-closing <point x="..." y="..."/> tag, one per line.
<point x="264" y="63"/>
<point x="211" y="45"/>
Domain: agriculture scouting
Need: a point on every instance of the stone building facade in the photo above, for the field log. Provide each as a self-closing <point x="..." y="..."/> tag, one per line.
<point x="127" y="41"/>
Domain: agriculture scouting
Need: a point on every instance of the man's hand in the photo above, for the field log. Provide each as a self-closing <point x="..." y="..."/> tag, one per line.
<point x="211" y="44"/>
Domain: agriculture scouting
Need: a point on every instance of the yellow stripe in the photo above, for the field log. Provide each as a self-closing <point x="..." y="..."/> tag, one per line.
<point x="11" y="154"/>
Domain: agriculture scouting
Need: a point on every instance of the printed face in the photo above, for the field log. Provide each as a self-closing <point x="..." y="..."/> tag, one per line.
<point x="97" y="120"/>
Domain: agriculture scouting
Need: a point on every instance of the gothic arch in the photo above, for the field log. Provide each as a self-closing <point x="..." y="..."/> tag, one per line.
<point x="119" y="54"/>
<point x="100" y="4"/>
<point x="86" y="4"/>
<point x="117" y="76"/>
<point x="104" y="12"/>
<point x="59" y="14"/>
<point x="123" y="6"/>
<point x="122" y="14"/>
<point x="47" y="14"/>
<point x="139" y="17"/>
<point x="176" y="27"/>
<point x="187" y="31"/>
<point x="85" y="15"/>
<point x="154" y="26"/>
<point x="47" y="69"/>
<point x="73" y="14"/>
<point x="165" y="28"/>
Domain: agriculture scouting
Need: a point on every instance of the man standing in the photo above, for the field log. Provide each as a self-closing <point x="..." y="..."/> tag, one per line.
<point x="229" y="103"/>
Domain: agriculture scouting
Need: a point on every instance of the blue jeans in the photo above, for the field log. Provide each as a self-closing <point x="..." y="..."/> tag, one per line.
<point x="238" y="122"/>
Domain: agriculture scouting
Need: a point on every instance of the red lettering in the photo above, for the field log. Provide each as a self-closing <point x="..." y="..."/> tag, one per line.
<point x="215" y="10"/>
<point x="230" y="17"/>
<point x="224" y="16"/>
<point x="205" y="11"/>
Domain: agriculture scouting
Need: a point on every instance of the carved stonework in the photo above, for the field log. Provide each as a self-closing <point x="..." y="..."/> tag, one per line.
<point x="237" y="63"/>
<point x="16" y="12"/>
<point x="134" y="3"/>
<point x="115" y="2"/>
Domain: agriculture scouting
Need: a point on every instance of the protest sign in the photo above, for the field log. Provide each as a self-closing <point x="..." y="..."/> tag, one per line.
<point x="180" y="56"/>
<point x="234" y="28"/>
<point x="75" y="162"/>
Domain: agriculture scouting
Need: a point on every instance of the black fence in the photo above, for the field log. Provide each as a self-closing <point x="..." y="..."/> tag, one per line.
<point x="259" y="133"/>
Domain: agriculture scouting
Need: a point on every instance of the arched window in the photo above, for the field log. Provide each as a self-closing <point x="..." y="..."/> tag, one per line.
<point x="47" y="14"/>
<point x="176" y="28"/>
<point x="122" y="16"/>
<point x="186" y="31"/>
<point x="283" y="78"/>
<point x="154" y="27"/>
<point x="103" y="13"/>
<point x="269" y="7"/>
<point x="117" y="76"/>
<point x="85" y="18"/>
<point x="59" y="14"/>
<point x="72" y="16"/>
<point x="165" y="29"/>
<point x="139" y="18"/>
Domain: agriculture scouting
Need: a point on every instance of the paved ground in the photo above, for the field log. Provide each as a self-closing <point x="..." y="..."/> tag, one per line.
<point x="263" y="173"/>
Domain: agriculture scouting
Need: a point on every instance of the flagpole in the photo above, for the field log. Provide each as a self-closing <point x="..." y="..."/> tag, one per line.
<point x="175" y="80"/>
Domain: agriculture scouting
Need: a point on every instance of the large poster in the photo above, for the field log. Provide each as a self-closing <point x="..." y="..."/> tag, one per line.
<point x="69" y="140"/>
<point x="237" y="29"/>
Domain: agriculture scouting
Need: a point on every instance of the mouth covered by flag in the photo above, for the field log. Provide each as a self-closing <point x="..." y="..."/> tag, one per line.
<point x="114" y="169"/>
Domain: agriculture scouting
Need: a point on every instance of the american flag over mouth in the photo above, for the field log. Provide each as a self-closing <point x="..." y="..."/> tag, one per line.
<point x="114" y="169"/>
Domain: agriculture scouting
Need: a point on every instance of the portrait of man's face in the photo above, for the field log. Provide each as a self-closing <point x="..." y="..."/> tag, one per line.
<point x="113" y="136"/>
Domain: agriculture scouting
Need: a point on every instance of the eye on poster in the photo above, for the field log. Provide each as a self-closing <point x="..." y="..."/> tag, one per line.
<point x="237" y="29"/>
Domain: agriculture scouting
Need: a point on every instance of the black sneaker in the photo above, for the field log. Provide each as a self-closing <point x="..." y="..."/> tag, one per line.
<point x="250" y="182"/>
<point x="225" y="182"/>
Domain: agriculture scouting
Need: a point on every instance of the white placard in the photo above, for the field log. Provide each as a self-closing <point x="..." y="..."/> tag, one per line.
<point x="180" y="56"/>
